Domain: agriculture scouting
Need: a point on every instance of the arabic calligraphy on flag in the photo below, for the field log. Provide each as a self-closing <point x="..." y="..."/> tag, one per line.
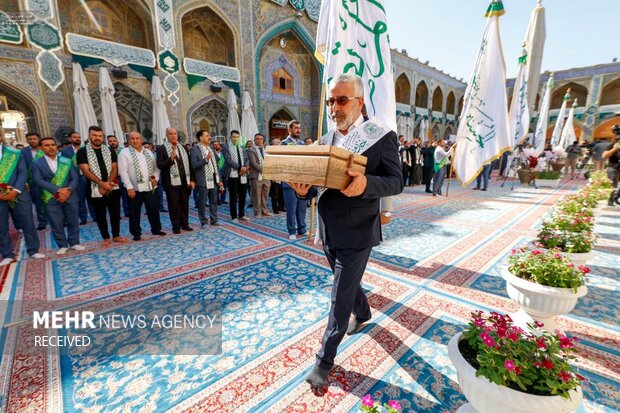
<point x="352" y="37"/>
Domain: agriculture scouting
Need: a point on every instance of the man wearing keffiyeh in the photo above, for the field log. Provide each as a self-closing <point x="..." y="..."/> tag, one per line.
<point x="140" y="175"/>
<point x="208" y="181"/>
<point x="177" y="178"/>
<point x="238" y="166"/>
<point x="99" y="164"/>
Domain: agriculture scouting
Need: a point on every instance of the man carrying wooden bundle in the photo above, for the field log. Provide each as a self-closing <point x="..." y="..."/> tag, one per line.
<point x="349" y="220"/>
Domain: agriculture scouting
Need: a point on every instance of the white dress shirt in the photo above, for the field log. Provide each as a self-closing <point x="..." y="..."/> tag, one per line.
<point x="52" y="163"/>
<point x="440" y="154"/>
<point x="339" y="136"/>
<point x="128" y="172"/>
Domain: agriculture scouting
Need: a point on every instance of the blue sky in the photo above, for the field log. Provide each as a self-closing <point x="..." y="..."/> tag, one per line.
<point x="448" y="32"/>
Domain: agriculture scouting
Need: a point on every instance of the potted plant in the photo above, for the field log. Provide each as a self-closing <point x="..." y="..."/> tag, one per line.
<point x="600" y="186"/>
<point x="502" y="368"/>
<point x="570" y="231"/>
<point x="549" y="179"/>
<point x="572" y="205"/>
<point x="544" y="283"/>
<point x="557" y="158"/>
<point x="369" y="405"/>
<point x="575" y="245"/>
<point x="529" y="164"/>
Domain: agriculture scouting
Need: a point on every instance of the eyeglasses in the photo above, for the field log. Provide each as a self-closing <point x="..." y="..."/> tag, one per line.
<point x="341" y="100"/>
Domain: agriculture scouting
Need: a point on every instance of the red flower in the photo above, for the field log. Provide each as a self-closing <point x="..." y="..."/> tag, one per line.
<point x="4" y="187"/>
<point x="584" y="269"/>
<point x="56" y="195"/>
<point x="547" y="364"/>
<point x="509" y="365"/>
<point x="540" y="342"/>
<point x="487" y="339"/>
<point x="513" y="336"/>
<point x="565" y="376"/>
<point x="537" y="252"/>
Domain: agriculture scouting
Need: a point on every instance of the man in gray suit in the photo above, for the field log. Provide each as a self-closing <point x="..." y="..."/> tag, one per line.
<point x="58" y="181"/>
<point x="208" y="182"/>
<point x="260" y="187"/>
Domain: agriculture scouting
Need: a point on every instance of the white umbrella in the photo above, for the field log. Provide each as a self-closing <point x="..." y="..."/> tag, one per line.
<point x="400" y="125"/>
<point x="535" y="44"/>
<point x="233" y="112"/>
<point x="248" y="121"/>
<point x="111" y="123"/>
<point x="84" y="114"/>
<point x="424" y="130"/>
<point x="160" y="115"/>
<point x="409" y="128"/>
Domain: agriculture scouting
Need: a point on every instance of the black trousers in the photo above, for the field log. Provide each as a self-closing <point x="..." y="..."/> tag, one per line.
<point x="109" y="204"/>
<point x="427" y="176"/>
<point x="348" y="297"/>
<point x="277" y="197"/>
<point x="151" y="202"/>
<point x="237" y="193"/>
<point x="406" y="169"/>
<point x="178" y="206"/>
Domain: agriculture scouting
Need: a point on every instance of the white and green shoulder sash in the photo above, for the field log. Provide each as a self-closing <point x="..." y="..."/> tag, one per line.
<point x="360" y="139"/>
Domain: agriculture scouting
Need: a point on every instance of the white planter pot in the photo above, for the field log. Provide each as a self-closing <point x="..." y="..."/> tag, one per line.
<point x="487" y="397"/>
<point x="540" y="302"/>
<point x="548" y="183"/>
<point x="581" y="258"/>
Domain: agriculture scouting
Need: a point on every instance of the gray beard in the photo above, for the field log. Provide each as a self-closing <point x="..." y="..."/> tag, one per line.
<point x="346" y="123"/>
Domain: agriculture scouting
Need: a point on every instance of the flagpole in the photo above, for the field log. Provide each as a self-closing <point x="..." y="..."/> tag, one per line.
<point x="451" y="172"/>
<point x="319" y="133"/>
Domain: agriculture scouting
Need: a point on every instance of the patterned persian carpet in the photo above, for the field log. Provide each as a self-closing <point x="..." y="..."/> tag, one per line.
<point x="441" y="259"/>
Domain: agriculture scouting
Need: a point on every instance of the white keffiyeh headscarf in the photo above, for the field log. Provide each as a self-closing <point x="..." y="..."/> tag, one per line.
<point x="174" y="169"/>
<point x="93" y="165"/>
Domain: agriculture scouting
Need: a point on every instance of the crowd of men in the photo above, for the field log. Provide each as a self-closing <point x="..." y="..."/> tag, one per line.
<point x="62" y="186"/>
<point x="425" y="163"/>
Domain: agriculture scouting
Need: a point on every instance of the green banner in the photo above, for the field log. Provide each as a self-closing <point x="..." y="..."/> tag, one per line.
<point x="59" y="179"/>
<point x="8" y="163"/>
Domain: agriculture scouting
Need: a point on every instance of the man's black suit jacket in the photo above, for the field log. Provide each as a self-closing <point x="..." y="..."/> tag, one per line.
<point x="354" y="222"/>
<point x="164" y="163"/>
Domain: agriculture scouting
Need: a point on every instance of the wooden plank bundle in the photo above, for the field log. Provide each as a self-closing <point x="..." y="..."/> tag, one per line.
<point x="319" y="165"/>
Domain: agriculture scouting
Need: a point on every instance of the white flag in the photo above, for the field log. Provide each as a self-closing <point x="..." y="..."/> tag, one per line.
<point x="540" y="136"/>
<point x="568" y="133"/>
<point x="352" y="37"/>
<point x="483" y="133"/>
<point x="519" y="117"/>
<point x="559" y="123"/>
